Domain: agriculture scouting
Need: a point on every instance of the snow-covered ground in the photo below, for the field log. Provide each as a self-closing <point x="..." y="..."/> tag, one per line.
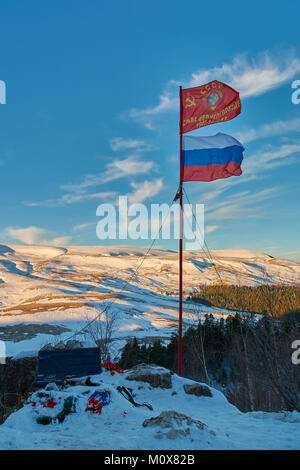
<point x="46" y="292"/>
<point x="120" y="425"/>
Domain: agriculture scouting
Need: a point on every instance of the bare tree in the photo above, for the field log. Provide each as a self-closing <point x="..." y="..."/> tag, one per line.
<point x="197" y="343"/>
<point x="101" y="331"/>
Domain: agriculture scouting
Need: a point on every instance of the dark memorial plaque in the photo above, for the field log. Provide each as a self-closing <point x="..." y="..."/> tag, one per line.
<point x="55" y="366"/>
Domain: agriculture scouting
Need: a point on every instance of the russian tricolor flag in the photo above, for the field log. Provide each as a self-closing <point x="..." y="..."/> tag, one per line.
<point x="211" y="158"/>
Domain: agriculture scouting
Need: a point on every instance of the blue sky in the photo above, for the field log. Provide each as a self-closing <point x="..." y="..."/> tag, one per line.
<point x="92" y="113"/>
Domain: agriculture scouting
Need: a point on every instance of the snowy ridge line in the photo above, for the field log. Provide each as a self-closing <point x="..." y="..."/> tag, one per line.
<point x="66" y="288"/>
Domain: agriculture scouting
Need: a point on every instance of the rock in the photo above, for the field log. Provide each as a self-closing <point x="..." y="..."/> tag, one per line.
<point x="174" y="433"/>
<point x="156" y="376"/>
<point x="176" y="424"/>
<point x="167" y="419"/>
<point x="71" y="344"/>
<point x="52" y="386"/>
<point x="197" y="389"/>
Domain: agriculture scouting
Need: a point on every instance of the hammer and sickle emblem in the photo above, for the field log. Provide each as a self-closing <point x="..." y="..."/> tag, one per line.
<point x="190" y="101"/>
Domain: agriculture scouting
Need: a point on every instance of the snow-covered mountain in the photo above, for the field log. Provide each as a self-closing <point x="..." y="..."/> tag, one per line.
<point x="47" y="291"/>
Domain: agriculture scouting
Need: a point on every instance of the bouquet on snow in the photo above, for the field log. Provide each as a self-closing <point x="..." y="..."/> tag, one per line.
<point x="112" y="368"/>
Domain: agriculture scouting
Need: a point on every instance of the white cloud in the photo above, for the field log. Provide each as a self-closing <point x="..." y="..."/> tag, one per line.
<point x="211" y="228"/>
<point x="167" y="102"/>
<point x="239" y="206"/>
<point x="130" y="166"/>
<point x="71" y="198"/>
<point x="116" y="169"/>
<point x="119" y="143"/>
<point x="250" y="76"/>
<point x="59" y="241"/>
<point x="270" y="158"/>
<point x="145" y="190"/>
<point x="269" y="130"/>
<point x="255" y="166"/>
<point x="36" y="236"/>
<point x="246" y="204"/>
<point x="80" y="227"/>
<point x="88" y="181"/>
<point x="232" y="211"/>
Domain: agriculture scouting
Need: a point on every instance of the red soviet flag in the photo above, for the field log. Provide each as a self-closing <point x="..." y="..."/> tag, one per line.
<point x="208" y="104"/>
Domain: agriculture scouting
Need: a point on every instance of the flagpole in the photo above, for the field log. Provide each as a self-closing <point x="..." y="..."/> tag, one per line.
<point x="180" y="245"/>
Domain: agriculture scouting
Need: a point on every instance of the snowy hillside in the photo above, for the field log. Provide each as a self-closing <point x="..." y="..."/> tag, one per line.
<point x="179" y="421"/>
<point x="46" y="291"/>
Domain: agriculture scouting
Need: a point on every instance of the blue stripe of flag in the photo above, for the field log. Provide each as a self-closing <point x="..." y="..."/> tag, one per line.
<point x="213" y="156"/>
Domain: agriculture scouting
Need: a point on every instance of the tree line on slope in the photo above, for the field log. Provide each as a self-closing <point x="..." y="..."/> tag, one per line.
<point x="250" y="361"/>
<point x="266" y="299"/>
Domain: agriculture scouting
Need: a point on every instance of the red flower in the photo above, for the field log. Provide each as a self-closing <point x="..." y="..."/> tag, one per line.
<point x="89" y="408"/>
<point x="50" y="404"/>
<point x="112" y="373"/>
<point x="93" y="401"/>
<point x="95" y="408"/>
<point x="110" y="366"/>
